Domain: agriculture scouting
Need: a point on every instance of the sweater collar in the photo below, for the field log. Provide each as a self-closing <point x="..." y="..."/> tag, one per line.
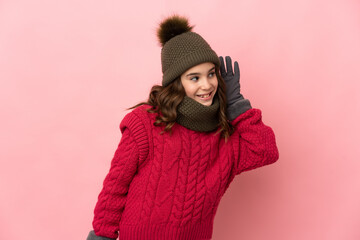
<point x="198" y="117"/>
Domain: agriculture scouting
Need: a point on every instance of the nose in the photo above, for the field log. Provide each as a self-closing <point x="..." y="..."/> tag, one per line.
<point x="205" y="84"/>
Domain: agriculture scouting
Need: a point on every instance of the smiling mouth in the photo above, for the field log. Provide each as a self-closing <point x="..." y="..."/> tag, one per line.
<point x="205" y="96"/>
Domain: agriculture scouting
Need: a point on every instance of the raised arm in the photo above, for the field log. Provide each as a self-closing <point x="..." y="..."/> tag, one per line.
<point x="253" y="142"/>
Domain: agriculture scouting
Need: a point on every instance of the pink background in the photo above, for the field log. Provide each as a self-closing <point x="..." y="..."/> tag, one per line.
<point x="69" y="69"/>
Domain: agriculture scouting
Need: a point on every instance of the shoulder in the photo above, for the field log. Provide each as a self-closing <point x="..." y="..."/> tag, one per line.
<point x="138" y="119"/>
<point x="139" y="123"/>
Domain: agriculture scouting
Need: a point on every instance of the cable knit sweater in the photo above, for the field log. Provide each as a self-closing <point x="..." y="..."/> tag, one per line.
<point x="168" y="187"/>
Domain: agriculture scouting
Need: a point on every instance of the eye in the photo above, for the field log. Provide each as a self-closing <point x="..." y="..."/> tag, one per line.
<point x="212" y="74"/>
<point x="194" y="79"/>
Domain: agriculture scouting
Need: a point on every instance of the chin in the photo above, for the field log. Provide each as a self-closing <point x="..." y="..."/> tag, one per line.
<point x="208" y="103"/>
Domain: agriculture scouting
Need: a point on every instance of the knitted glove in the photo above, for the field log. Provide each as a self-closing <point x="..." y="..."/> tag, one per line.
<point x="236" y="104"/>
<point x="92" y="236"/>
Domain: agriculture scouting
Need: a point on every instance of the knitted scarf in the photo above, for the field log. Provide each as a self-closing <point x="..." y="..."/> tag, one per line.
<point x="198" y="117"/>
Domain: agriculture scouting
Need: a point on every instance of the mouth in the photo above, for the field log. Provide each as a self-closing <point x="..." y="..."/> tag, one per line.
<point x="206" y="96"/>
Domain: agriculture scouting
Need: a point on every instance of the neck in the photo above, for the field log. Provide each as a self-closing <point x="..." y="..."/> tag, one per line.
<point x="198" y="117"/>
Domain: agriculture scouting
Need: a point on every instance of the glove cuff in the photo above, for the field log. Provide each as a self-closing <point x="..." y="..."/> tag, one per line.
<point x="237" y="108"/>
<point x="92" y="236"/>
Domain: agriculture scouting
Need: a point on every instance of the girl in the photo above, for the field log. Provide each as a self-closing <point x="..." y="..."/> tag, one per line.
<point x="182" y="148"/>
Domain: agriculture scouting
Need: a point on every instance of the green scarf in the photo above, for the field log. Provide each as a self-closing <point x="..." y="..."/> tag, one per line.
<point x="198" y="117"/>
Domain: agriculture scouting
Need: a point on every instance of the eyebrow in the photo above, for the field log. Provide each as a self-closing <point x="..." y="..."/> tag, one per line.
<point x="190" y="74"/>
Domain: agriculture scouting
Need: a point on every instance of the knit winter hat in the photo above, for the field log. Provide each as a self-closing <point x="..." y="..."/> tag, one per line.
<point x="182" y="48"/>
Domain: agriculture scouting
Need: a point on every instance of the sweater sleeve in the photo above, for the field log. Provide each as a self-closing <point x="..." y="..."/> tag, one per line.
<point x="254" y="143"/>
<point x="130" y="153"/>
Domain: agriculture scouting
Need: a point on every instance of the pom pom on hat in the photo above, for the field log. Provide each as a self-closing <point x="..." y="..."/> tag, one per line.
<point x="171" y="27"/>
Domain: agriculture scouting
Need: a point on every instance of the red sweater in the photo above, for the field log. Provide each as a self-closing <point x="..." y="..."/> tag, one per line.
<point x="164" y="187"/>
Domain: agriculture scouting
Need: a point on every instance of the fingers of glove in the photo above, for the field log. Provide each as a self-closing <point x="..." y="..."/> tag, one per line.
<point x="237" y="70"/>
<point x="229" y="66"/>
<point x="222" y="66"/>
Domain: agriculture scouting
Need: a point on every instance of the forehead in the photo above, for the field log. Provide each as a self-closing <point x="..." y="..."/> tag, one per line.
<point x="200" y="68"/>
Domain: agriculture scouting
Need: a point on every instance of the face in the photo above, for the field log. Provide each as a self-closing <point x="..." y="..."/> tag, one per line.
<point x="200" y="83"/>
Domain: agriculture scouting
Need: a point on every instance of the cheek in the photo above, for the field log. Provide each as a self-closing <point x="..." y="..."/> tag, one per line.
<point x="188" y="88"/>
<point x="216" y="83"/>
<point x="190" y="91"/>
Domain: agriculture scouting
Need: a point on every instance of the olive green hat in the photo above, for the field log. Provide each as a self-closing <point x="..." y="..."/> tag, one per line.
<point x="181" y="48"/>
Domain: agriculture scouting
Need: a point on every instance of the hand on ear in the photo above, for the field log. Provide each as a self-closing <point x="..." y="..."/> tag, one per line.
<point x="236" y="104"/>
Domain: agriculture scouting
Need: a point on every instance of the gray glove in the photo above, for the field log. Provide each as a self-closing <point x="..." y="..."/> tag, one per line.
<point x="236" y="104"/>
<point x="92" y="236"/>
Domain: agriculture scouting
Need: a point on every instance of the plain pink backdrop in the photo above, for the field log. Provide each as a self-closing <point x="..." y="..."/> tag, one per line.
<point x="69" y="69"/>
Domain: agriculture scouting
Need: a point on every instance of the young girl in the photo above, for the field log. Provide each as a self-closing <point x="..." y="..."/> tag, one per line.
<point x="181" y="149"/>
